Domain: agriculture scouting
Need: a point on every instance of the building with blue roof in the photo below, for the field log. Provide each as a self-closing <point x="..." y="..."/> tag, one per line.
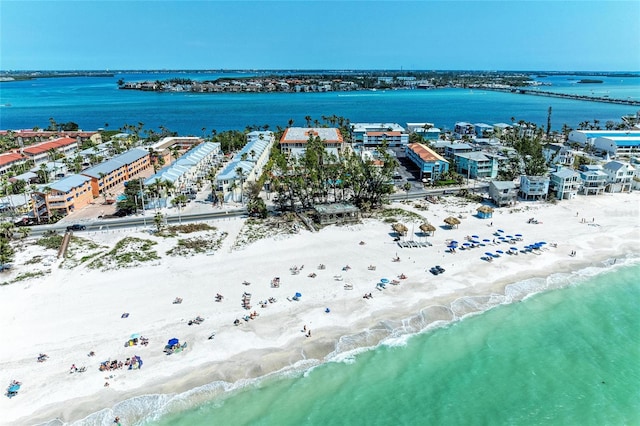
<point x="62" y="197"/>
<point x="612" y="142"/>
<point x="250" y="160"/>
<point x="565" y="183"/>
<point x="117" y="170"/>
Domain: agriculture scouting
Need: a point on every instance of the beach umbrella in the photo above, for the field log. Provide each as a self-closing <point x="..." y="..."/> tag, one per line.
<point x="173" y="341"/>
<point x="452" y="221"/>
<point x="518" y="235"/>
<point x="514" y="248"/>
<point x="475" y="236"/>
<point x="486" y="240"/>
<point x="298" y="295"/>
<point x="384" y="280"/>
<point x="499" y="251"/>
<point x="509" y="236"/>
<point x="399" y="228"/>
<point x="135" y="336"/>
<point x="466" y="244"/>
<point x="501" y="238"/>
<point x="542" y="242"/>
<point x="454" y="242"/>
<point x="489" y="253"/>
<point x="500" y="230"/>
<point x="427" y="227"/>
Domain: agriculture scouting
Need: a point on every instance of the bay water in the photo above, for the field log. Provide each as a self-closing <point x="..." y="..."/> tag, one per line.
<point x="96" y="102"/>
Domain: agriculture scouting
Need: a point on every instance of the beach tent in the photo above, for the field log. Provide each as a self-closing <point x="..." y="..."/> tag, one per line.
<point x="484" y="212"/>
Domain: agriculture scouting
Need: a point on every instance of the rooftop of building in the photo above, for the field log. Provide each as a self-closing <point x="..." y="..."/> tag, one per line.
<point x="425" y="153"/>
<point x="302" y="134"/>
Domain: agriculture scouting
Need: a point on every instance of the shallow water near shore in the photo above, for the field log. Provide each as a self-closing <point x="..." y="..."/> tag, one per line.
<point x="566" y="355"/>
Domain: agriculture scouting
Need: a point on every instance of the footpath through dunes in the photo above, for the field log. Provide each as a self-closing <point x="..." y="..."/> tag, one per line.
<point x="73" y="312"/>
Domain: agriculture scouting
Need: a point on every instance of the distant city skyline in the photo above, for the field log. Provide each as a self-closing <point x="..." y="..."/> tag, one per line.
<point x="300" y="35"/>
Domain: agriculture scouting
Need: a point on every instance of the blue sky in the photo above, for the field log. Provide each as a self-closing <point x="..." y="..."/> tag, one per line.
<point x="297" y="34"/>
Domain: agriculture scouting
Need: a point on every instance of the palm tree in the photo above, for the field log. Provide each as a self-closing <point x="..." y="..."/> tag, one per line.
<point x="240" y="174"/>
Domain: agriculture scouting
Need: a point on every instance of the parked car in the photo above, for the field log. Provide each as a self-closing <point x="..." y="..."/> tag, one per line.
<point x="76" y="227"/>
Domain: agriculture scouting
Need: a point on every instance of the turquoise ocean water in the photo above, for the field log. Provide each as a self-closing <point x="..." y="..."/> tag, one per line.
<point x="564" y="351"/>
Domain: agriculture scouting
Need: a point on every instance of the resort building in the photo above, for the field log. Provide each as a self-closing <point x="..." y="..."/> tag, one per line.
<point x="167" y="147"/>
<point x="29" y="136"/>
<point x="294" y="140"/>
<point x="476" y="165"/>
<point x="118" y="170"/>
<point x="50" y="150"/>
<point x="619" y="176"/>
<point x="247" y="165"/>
<point x="9" y="160"/>
<point x="430" y="164"/>
<point x="186" y="171"/>
<point x="503" y="193"/>
<point x="533" y="187"/>
<point x="594" y="179"/>
<point x="62" y="197"/>
<point x="375" y="134"/>
<point x="565" y="183"/>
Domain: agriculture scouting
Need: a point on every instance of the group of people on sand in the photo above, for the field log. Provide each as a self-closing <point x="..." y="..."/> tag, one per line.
<point x="306" y="331"/>
<point x="368" y="296"/>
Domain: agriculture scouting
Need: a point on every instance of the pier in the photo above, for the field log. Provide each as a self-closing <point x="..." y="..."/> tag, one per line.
<point x="564" y="95"/>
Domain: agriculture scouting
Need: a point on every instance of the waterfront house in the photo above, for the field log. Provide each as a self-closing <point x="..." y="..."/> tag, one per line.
<point x="533" y="187"/>
<point x="430" y="164"/>
<point x="619" y="176"/>
<point x="294" y="140"/>
<point x="118" y="170"/>
<point x="556" y="154"/>
<point x="476" y="165"/>
<point x="427" y="130"/>
<point x="501" y="129"/>
<point x="594" y="179"/>
<point x="564" y="183"/>
<point x="483" y="130"/>
<point x="462" y="129"/>
<point x="503" y="193"/>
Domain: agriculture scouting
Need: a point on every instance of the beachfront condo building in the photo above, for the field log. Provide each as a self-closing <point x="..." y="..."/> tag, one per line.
<point x="246" y="166"/>
<point x="614" y="143"/>
<point x="62" y="197"/>
<point x="30" y="137"/>
<point x="476" y="165"/>
<point x="371" y="135"/>
<point x="427" y="130"/>
<point x="105" y="176"/>
<point x="294" y="140"/>
<point x="431" y="164"/>
<point x="9" y="160"/>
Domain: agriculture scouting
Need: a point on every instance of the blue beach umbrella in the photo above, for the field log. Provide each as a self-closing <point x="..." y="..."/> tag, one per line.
<point x="518" y="235"/>
<point x="501" y="238"/>
<point x="499" y="251"/>
<point x="298" y="295"/>
<point x="173" y="341"/>
<point x="500" y="230"/>
<point x="466" y="244"/>
<point x="514" y="248"/>
<point x="486" y="240"/>
<point x="474" y="236"/>
<point x="489" y="254"/>
<point x="384" y="280"/>
<point x="542" y="242"/>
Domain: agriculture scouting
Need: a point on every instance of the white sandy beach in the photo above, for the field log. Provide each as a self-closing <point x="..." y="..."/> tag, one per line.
<point x="71" y="312"/>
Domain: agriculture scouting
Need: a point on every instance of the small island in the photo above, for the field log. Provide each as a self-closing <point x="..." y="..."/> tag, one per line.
<point x="589" y="81"/>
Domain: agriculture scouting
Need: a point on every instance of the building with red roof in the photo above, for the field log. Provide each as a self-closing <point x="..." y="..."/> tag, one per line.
<point x="431" y="164"/>
<point x="40" y="153"/>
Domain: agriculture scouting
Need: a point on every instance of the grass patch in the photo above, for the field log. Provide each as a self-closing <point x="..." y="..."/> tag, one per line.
<point x="26" y="276"/>
<point x="197" y="245"/>
<point x="51" y="241"/>
<point x="255" y="229"/>
<point x="77" y="252"/>
<point x="189" y="228"/>
<point x="127" y="253"/>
